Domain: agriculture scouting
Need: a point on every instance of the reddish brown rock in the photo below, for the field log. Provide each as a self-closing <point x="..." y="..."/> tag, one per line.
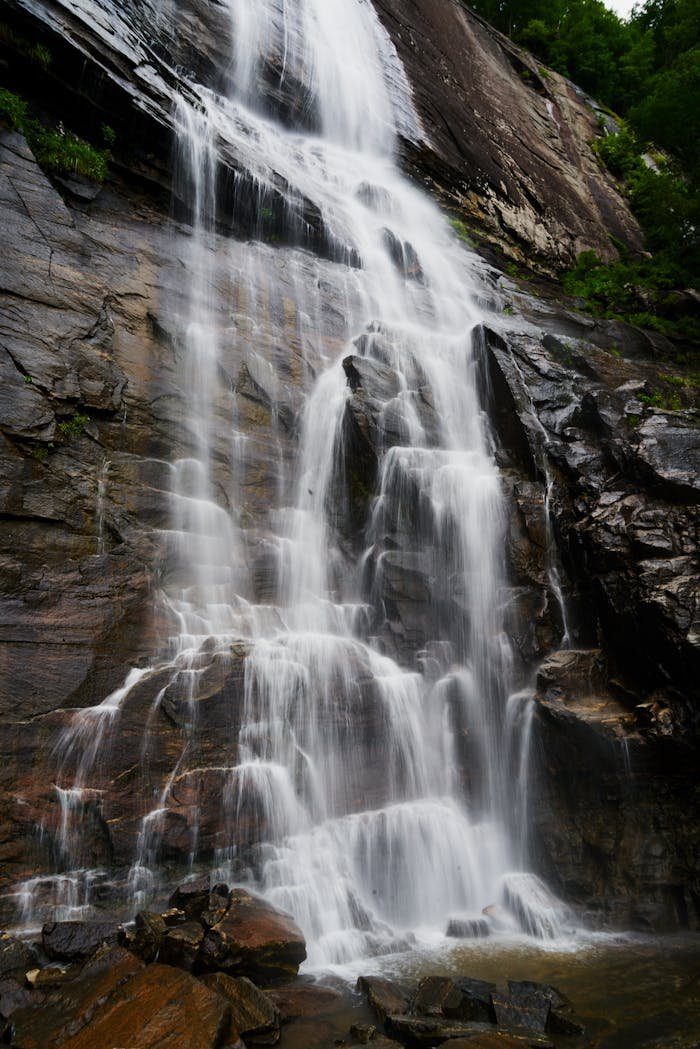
<point x="295" y="1002"/>
<point x="253" y="1013"/>
<point x="254" y="939"/>
<point x="159" y="1008"/>
<point x="52" y="1017"/>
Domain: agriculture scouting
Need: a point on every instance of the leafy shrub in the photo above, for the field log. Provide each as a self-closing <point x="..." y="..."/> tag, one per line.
<point x="75" y="426"/>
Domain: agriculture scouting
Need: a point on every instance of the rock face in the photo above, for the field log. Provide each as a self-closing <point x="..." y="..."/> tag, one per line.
<point x="626" y="536"/>
<point x="601" y="486"/>
<point x="508" y="140"/>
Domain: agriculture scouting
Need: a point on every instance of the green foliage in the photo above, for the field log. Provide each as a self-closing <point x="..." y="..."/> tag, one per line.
<point x="56" y="150"/>
<point x="108" y="135"/>
<point x="75" y="426"/>
<point x="41" y="55"/>
<point x="64" y="153"/>
<point x="13" y="109"/>
<point x="647" y="67"/>
<point x="620" y="152"/>
<point x="20" y="45"/>
<point x="658" y="399"/>
<point x="633" y="290"/>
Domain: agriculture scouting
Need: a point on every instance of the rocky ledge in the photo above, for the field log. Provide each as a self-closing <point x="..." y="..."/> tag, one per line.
<point x="180" y="978"/>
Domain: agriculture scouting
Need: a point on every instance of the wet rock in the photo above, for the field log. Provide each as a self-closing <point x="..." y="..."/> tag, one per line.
<point x="71" y="940"/>
<point x="468" y="928"/>
<point x="13" y="996"/>
<point x="385" y="997"/>
<point x="180" y="946"/>
<point x="49" y="1019"/>
<point x="159" y="1007"/>
<point x="436" y="996"/>
<point x="476" y="1003"/>
<point x="195" y="897"/>
<point x="147" y="935"/>
<point x="295" y="1001"/>
<point x="253" y="939"/>
<point x="363" y="1033"/>
<point x="380" y="1042"/>
<point x="416" y="1030"/>
<point x="15" y="956"/>
<point x="253" y="1013"/>
<point x="668" y="450"/>
<point x="573" y="673"/>
<point x="536" y="908"/>
<point x="488" y="1038"/>
<point x="529" y="1010"/>
<point x="52" y="976"/>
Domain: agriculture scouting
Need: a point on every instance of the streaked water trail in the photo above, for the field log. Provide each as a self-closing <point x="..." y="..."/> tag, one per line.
<point x="369" y="783"/>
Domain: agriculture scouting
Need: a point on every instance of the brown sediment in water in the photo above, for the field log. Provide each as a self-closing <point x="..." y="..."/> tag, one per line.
<point x="628" y="993"/>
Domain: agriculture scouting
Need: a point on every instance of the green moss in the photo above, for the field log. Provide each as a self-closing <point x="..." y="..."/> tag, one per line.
<point x="462" y="231"/>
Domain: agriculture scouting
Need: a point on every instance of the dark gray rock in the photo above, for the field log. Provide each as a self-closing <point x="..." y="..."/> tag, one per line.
<point x="468" y="928"/>
<point x="16" y="956"/>
<point x="529" y="1010"/>
<point x="72" y="940"/>
<point x="180" y="946"/>
<point x="385" y="997"/>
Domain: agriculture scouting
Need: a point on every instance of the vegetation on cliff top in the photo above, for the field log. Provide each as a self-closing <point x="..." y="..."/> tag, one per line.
<point x="648" y="69"/>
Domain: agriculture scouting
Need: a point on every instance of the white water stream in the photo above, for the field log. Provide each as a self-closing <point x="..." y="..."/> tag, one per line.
<point x="388" y="792"/>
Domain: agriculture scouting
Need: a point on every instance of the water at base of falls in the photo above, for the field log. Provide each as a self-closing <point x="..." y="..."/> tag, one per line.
<point x="375" y="786"/>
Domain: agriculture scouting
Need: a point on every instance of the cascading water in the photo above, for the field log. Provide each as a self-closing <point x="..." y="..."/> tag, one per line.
<point x="370" y="785"/>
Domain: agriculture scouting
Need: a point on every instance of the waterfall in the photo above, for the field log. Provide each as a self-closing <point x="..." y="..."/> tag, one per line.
<point x="375" y="774"/>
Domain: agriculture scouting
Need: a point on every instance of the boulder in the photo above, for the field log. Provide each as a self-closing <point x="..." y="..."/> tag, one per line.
<point x="385" y="997"/>
<point x="294" y="1002"/>
<point x="72" y="940"/>
<point x="560" y="1019"/>
<point x="476" y="999"/>
<point x="15" y="956"/>
<point x="180" y="945"/>
<point x="13" y="996"/>
<point x="147" y="936"/>
<point x="196" y="897"/>
<point x="530" y="1011"/>
<point x="158" y="1008"/>
<point x="428" y="1031"/>
<point x="468" y="928"/>
<point x="436" y="996"/>
<point x="253" y="939"/>
<point x="253" y="1013"/>
<point x="49" y="1018"/>
<point x="363" y="1033"/>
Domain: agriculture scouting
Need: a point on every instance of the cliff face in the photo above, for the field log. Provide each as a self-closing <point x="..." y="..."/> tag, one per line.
<point x="601" y="486"/>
